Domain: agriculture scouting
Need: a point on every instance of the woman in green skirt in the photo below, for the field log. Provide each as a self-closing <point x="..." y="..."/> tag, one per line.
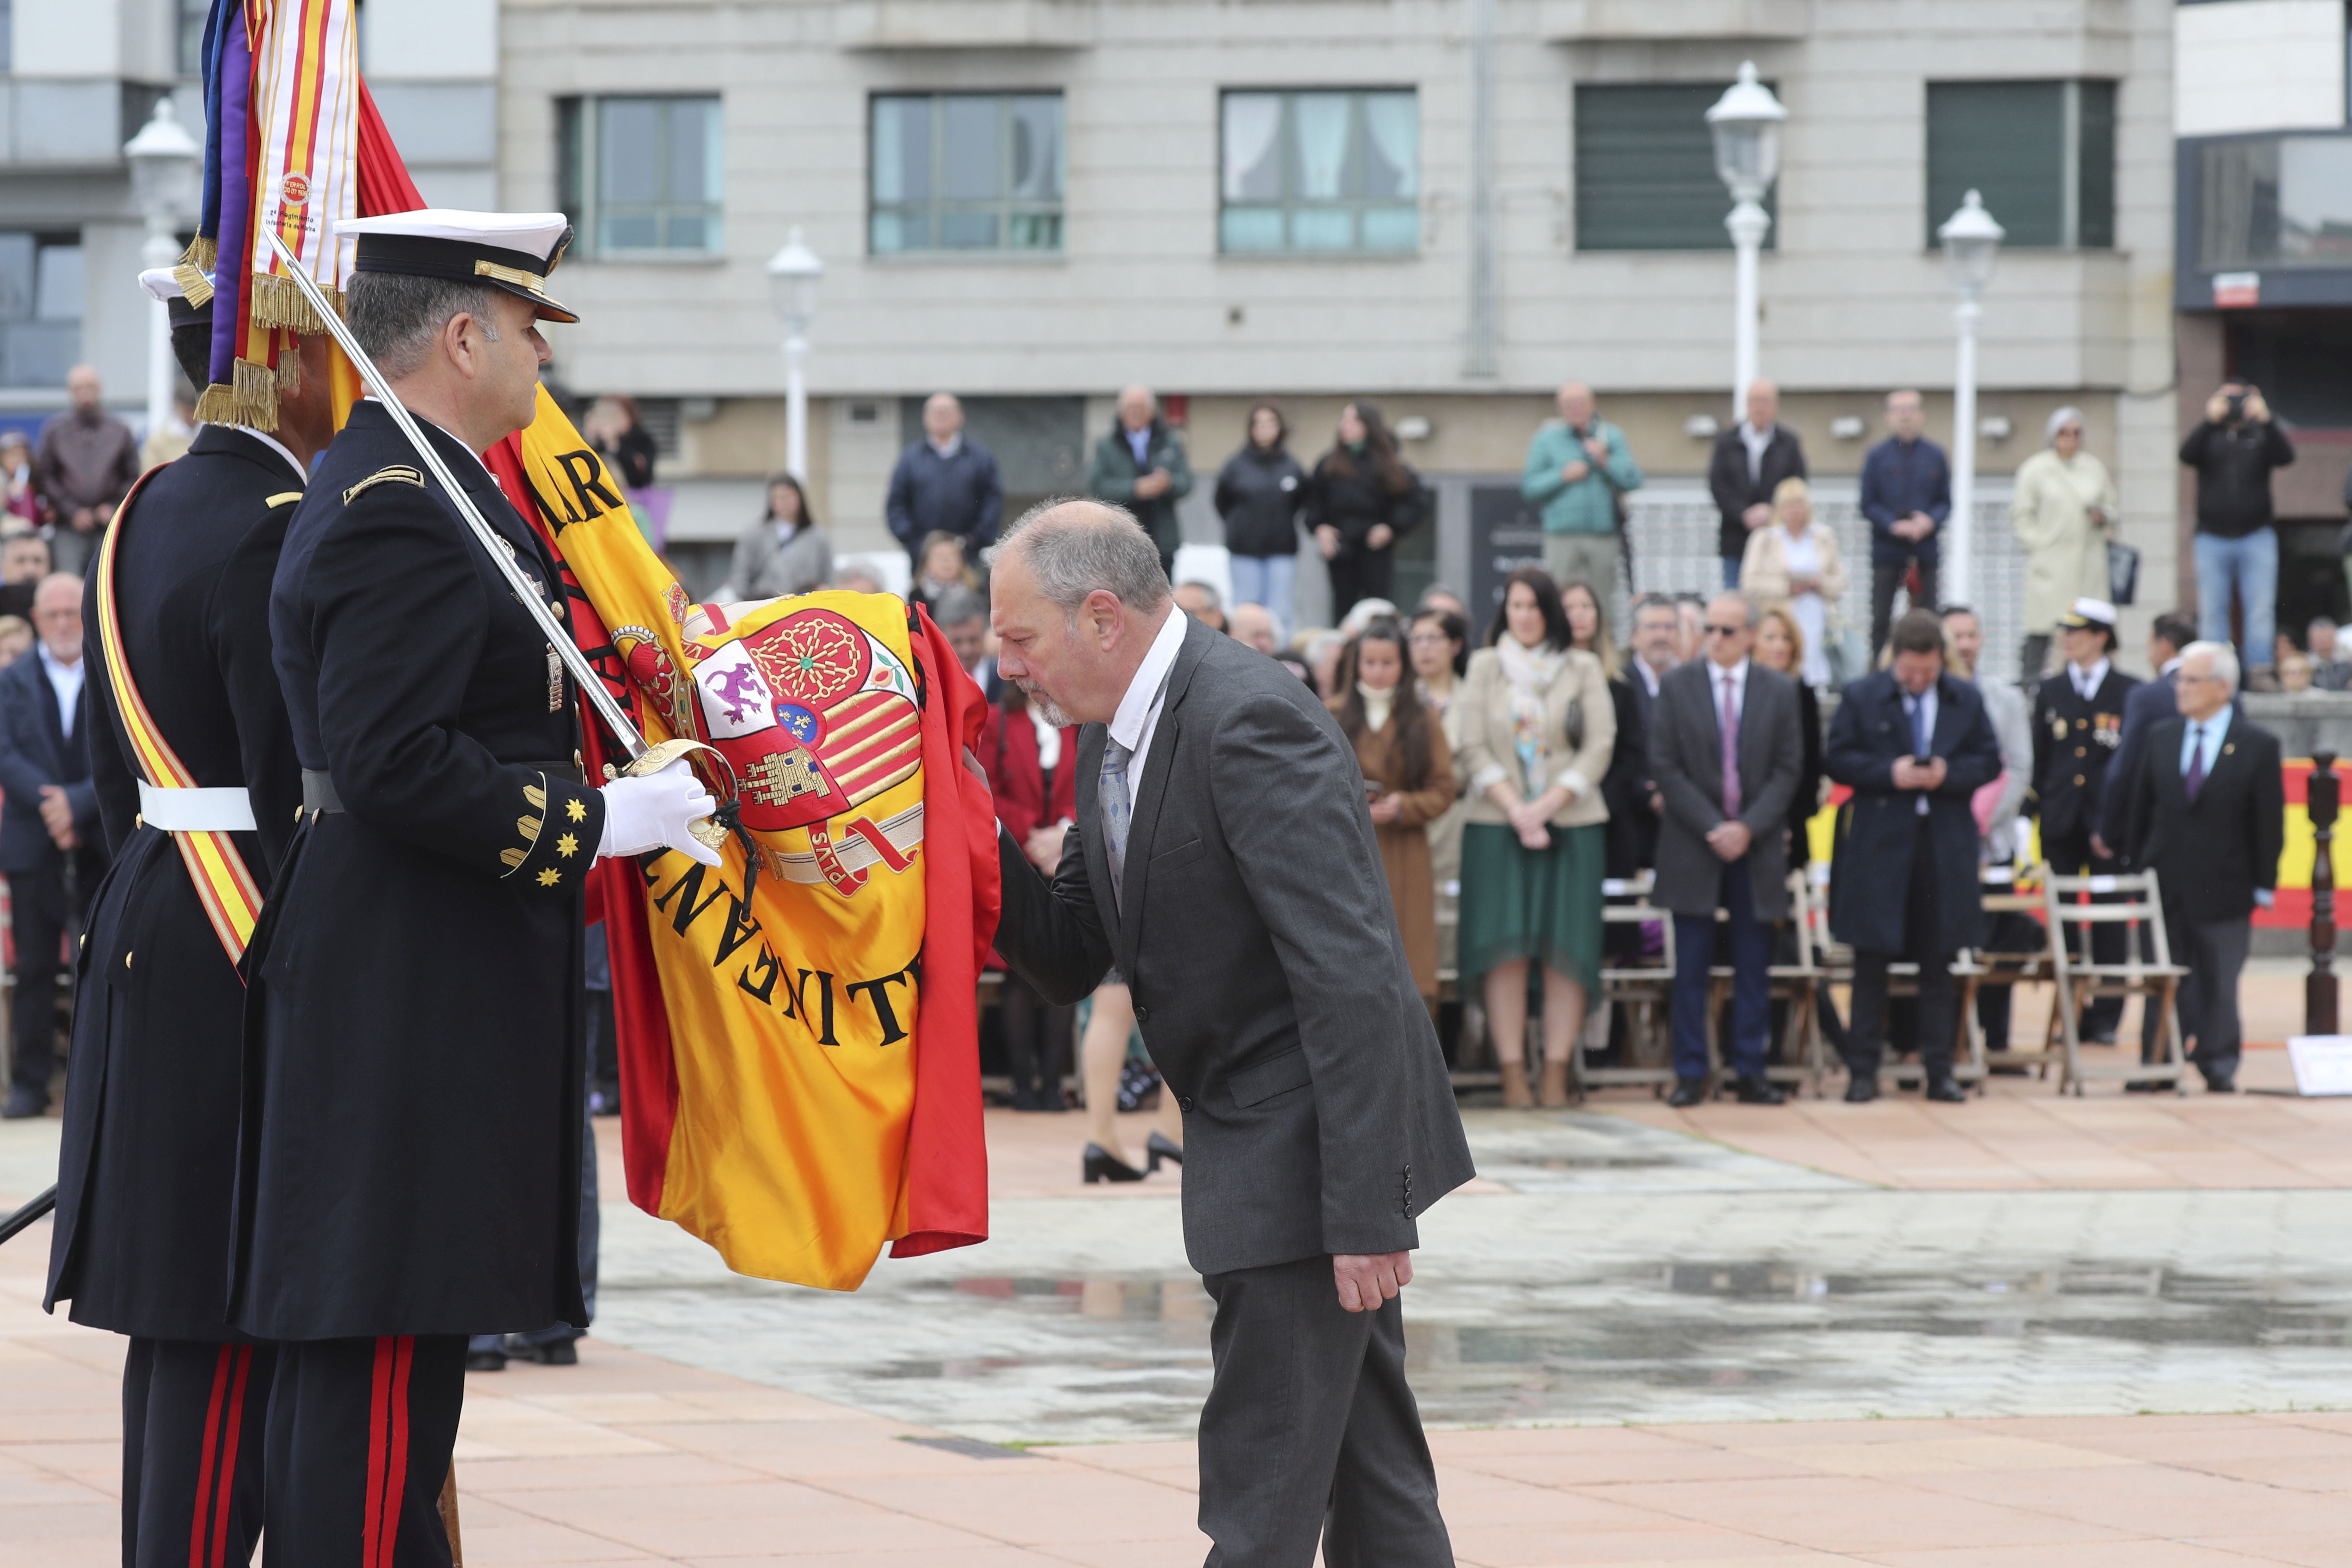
<point x="1536" y="728"/>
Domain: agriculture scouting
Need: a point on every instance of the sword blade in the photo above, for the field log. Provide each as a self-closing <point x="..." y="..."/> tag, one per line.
<point x="23" y="1218"/>
<point x="592" y="685"/>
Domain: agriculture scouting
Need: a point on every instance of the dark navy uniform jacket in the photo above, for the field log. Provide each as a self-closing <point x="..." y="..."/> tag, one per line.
<point x="146" y="1172"/>
<point x="410" y="1146"/>
<point x="2074" y="740"/>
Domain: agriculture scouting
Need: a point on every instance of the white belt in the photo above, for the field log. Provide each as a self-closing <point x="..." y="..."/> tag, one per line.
<point x="196" y="810"/>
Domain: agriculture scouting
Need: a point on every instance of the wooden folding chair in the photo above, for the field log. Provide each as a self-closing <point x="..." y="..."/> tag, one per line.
<point x="1995" y="967"/>
<point x="1645" y="989"/>
<point x="1795" y="1057"/>
<point x="2157" y="982"/>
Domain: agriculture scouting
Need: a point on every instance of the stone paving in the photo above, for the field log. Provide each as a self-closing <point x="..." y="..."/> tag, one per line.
<point x="1897" y="1334"/>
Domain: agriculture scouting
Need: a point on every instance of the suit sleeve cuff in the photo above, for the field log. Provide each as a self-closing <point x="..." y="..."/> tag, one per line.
<point x="1573" y="781"/>
<point x="1487" y="777"/>
<point x="558" y="825"/>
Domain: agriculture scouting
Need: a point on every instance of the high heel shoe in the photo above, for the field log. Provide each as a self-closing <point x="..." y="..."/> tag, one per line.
<point x="1159" y="1149"/>
<point x="1101" y="1165"/>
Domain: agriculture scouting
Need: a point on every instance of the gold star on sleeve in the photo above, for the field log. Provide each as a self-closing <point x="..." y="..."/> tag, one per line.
<point x="549" y="877"/>
<point x="576" y="809"/>
<point x="567" y="844"/>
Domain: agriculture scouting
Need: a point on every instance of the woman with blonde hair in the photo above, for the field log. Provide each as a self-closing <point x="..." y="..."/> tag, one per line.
<point x="1794" y="560"/>
<point x="2063" y="514"/>
<point x="1780" y="645"/>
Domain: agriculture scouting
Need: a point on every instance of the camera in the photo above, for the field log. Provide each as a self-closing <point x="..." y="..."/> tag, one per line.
<point x="2236" y="402"/>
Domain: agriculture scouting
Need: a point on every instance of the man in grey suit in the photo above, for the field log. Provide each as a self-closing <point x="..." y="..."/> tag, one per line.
<point x="1223" y="858"/>
<point x="1726" y="749"/>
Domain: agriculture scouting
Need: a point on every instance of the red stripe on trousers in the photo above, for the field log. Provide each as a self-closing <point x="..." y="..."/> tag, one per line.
<point x="379" y="1400"/>
<point x="222" y="1500"/>
<point x="396" y="1475"/>
<point x="205" y="1467"/>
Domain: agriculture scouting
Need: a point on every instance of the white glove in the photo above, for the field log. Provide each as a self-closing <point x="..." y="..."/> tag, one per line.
<point x="654" y="812"/>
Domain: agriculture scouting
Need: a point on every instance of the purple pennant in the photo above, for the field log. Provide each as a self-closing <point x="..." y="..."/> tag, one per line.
<point x="231" y="262"/>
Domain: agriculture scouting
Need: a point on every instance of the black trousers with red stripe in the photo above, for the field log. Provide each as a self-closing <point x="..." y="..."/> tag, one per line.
<point x="194" y="1416"/>
<point x="360" y="1434"/>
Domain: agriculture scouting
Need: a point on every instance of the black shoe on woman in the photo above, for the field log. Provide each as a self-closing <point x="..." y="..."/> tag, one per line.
<point x="1159" y="1149"/>
<point x="1101" y="1165"/>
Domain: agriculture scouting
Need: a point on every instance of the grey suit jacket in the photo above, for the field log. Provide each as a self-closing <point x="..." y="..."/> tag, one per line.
<point x="1687" y="761"/>
<point x="1269" y="980"/>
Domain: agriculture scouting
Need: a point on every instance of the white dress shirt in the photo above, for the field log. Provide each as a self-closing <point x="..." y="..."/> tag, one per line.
<point x="301" y="474"/>
<point x="1755" y="441"/>
<point x="65" y="679"/>
<point x="2207" y="735"/>
<point x="1738" y="675"/>
<point x="2086" y="682"/>
<point x="1138" y="718"/>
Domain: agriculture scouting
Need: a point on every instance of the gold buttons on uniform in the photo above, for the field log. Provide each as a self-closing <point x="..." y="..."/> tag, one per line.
<point x="126" y="961"/>
<point x="2081" y="753"/>
<point x="2078" y="778"/>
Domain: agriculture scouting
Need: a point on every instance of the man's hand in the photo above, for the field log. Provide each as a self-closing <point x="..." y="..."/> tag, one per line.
<point x="1596" y="449"/>
<point x="1045" y="849"/>
<point x="1379" y="536"/>
<point x="1366" y="1281"/>
<point x="1757" y="516"/>
<point x="2216" y="408"/>
<point x="1154" y="484"/>
<point x="1657" y="803"/>
<point x="2099" y="847"/>
<point x="84" y="519"/>
<point x="1911" y="773"/>
<point x="1327" y="540"/>
<point x="1571" y="471"/>
<point x="57" y="815"/>
<point x="2257" y="411"/>
<point x="1730" y="840"/>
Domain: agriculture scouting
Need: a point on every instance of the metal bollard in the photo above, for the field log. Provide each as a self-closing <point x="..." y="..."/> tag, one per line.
<point x="2319" y="985"/>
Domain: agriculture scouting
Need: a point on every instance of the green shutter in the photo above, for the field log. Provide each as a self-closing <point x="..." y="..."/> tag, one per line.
<point x="2005" y="140"/>
<point x="2096" y="162"/>
<point x="1646" y="169"/>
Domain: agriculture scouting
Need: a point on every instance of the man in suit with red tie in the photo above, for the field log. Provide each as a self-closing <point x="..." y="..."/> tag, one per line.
<point x="2208" y="818"/>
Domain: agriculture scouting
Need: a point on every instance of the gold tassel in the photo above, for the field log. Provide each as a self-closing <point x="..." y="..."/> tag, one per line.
<point x="289" y="369"/>
<point x="253" y="398"/>
<point x="277" y="302"/>
<point x="194" y="284"/>
<point x="202" y="252"/>
<point x="215" y="403"/>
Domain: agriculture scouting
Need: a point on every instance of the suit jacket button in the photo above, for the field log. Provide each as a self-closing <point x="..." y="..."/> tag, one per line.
<point x="1143" y="1014"/>
<point x="1183" y="1103"/>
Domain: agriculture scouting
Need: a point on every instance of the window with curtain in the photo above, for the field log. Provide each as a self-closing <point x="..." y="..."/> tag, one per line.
<point x="192" y="36"/>
<point x="40" y="307"/>
<point x="965" y="170"/>
<point x="2042" y="153"/>
<point x="1320" y="171"/>
<point x="641" y="175"/>
<point x="1645" y="175"/>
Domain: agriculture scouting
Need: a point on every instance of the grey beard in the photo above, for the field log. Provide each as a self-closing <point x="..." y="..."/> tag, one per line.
<point x="1046" y="706"/>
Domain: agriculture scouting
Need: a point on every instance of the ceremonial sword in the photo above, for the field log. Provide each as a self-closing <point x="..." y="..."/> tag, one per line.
<point x="643" y="756"/>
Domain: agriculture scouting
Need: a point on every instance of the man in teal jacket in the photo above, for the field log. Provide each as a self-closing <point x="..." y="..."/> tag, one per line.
<point x="1578" y="467"/>
<point x="1140" y="465"/>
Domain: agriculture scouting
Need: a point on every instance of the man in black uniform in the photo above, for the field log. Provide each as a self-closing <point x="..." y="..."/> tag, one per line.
<point x="146" y="1171"/>
<point x="2078" y="722"/>
<point x="425" y="934"/>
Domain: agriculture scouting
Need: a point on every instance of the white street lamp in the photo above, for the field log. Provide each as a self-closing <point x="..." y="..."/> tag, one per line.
<point x="165" y="163"/>
<point x="793" y="274"/>
<point x="1971" y="240"/>
<point x="1746" y="124"/>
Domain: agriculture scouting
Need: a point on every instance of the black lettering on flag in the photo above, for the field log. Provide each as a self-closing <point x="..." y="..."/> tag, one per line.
<point x="766" y="990"/>
<point x="688" y="910"/>
<point x="587" y="476"/>
<point x="825" y="1003"/>
<point x="891" y="1031"/>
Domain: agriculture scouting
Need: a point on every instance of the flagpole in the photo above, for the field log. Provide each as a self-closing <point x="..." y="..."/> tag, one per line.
<point x="592" y="685"/>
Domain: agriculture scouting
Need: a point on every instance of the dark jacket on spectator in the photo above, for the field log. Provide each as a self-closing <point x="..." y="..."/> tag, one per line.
<point x="960" y="494"/>
<point x="1870" y="886"/>
<point x="1354" y="500"/>
<point x="1899" y="480"/>
<point x="1734" y="492"/>
<point x="2234" y="464"/>
<point x="83" y="460"/>
<point x="2150" y="703"/>
<point x="1807" y="801"/>
<point x="2211" y="854"/>
<point x="1112" y="473"/>
<point x="1259" y="494"/>
<point x="35" y="751"/>
<point x="632" y="457"/>
<point x="1626" y="788"/>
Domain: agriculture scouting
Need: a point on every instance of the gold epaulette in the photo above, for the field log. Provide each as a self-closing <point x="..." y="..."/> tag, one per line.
<point x="400" y="471"/>
<point x="283" y="497"/>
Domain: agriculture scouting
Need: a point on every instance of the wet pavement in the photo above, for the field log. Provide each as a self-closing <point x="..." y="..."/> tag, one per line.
<point x="1629" y="1274"/>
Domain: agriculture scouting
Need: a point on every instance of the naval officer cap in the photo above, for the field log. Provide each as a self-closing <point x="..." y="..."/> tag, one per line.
<point x="163" y="283"/>
<point x="2090" y="615"/>
<point x="510" y="251"/>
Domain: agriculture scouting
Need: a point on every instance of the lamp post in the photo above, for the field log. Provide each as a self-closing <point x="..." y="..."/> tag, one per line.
<point x="1745" y="122"/>
<point x="1971" y="240"/>
<point x="793" y="274"/>
<point x="165" y="162"/>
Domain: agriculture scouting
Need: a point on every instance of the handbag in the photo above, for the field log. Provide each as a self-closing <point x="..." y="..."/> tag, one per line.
<point x="2123" y="572"/>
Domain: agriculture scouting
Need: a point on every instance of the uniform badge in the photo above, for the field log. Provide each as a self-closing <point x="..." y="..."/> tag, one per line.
<point x="555" y="680"/>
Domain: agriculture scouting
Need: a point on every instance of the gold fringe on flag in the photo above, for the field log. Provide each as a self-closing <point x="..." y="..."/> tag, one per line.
<point x="214" y="404"/>
<point x="194" y="284"/>
<point x="277" y="302"/>
<point x="202" y="252"/>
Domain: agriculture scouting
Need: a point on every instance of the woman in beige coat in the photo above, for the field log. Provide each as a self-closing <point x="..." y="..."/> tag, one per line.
<point x="2063" y="513"/>
<point x="1537" y="729"/>
<point x="1794" y="561"/>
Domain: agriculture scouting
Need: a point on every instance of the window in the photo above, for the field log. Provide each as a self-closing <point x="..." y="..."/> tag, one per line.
<point x="40" y="307"/>
<point x="966" y="170"/>
<point x="2043" y="154"/>
<point x="1645" y="175"/>
<point x="2275" y="201"/>
<point x="640" y="177"/>
<point x="1320" y="171"/>
<point x="192" y="36"/>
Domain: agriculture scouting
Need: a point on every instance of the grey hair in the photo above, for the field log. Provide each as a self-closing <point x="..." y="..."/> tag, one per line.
<point x="395" y="316"/>
<point x="2070" y="414"/>
<point x="1076" y="546"/>
<point x="1746" y="602"/>
<point x="958" y="605"/>
<point x="2224" y="657"/>
<point x="1216" y="600"/>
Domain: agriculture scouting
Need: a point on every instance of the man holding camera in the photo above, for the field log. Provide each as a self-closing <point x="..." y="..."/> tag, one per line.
<point x="2233" y="452"/>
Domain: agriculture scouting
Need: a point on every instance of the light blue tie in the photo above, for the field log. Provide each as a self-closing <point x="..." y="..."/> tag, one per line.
<point x="1115" y="805"/>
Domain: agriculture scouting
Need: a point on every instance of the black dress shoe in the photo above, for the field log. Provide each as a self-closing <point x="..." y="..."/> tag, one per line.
<point x="1687" y="1092"/>
<point x="1158" y="1148"/>
<point x="1760" y="1091"/>
<point x="1101" y="1165"/>
<point x="2145" y="1086"/>
<point x="555" y="1353"/>
<point x="2098" y="1037"/>
<point x="1946" y="1090"/>
<point x="485" y="1361"/>
<point x="2220" y="1085"/>
<point x="1860" y="1089"/>
<point x="23" y="1104"/>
